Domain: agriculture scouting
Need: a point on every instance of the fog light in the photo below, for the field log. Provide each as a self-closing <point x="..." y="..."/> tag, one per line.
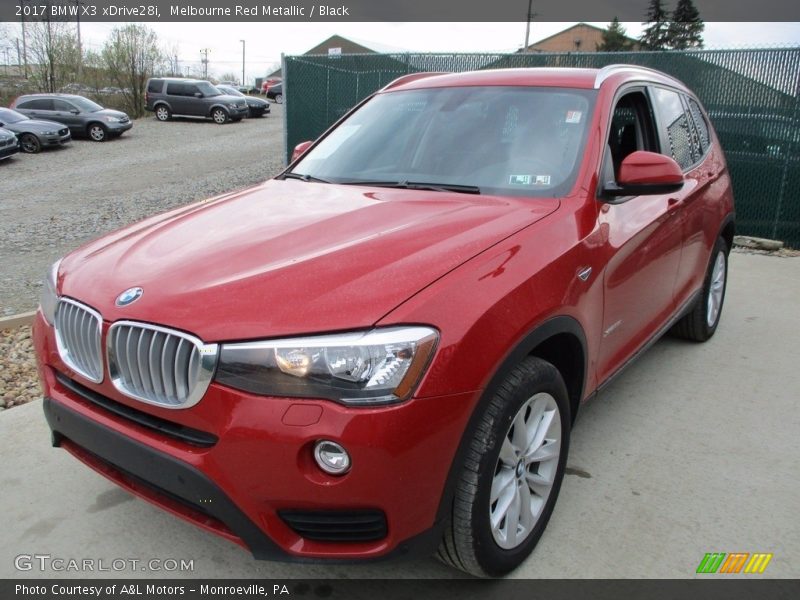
<point x="331" y="457"/>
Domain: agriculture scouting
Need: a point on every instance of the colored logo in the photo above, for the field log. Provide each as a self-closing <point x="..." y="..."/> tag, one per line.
<point x="129" y="296"/>
<point x="735" y="562"/>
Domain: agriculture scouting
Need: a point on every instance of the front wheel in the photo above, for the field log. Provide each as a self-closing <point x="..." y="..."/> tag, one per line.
<point x="97" y="132"/>
<point x="700" y="323"/>
<point x="512" y="473"/>
<point x="30" y="143"/>
<point x="279" y="98"/>
<point x="220" y="116"/>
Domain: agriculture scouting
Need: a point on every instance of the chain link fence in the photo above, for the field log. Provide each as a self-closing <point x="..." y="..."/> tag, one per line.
<point x="752" y="96"/>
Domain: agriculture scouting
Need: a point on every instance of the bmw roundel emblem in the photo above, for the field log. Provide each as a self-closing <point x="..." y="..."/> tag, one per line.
<point x="129" y="296"/>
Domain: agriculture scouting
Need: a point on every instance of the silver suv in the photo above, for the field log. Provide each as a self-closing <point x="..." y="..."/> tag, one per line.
<point x="83" y="116"/>
<point x="168" y="96"/>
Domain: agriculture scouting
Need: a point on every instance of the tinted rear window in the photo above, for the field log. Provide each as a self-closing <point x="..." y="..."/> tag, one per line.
<point x="37" y="104"/>
<point x="155" y="86"/>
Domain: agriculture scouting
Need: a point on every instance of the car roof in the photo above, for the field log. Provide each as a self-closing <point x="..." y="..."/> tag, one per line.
<point x="567" y="77"/>
<point x="54" y="95"/>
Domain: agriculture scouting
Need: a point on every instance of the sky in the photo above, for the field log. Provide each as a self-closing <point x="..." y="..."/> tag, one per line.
<point x="266" y="41"/>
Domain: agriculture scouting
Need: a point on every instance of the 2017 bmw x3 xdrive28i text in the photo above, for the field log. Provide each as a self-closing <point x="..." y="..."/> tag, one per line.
<point x="383" y="349"/>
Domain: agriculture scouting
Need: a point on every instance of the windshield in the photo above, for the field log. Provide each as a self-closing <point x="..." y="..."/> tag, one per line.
<point x="85" y="104"/>
<point x="11" y="116"/>
<point x="208" y="90"/>
<point x="498" y="140"/>
<point x="229" y="90"/>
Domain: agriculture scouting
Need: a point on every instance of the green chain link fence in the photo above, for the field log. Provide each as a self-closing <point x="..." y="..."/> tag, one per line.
<point x="752" y="96"/>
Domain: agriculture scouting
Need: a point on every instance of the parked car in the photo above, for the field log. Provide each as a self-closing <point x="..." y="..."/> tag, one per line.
<point x="82" y="116"/>
<point x="33" y="134"/>
<point x="275" y="92"/>
<point x="168" y="96"/>
<point x="256" y="107"/>
<point x="383" y="349"/>
<point x="8" y="143"/>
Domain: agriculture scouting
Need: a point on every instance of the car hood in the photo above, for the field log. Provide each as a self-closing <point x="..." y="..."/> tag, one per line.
<point x="229" y="98"/>
<point x="35" y="126"/>
<point x="111" y="113"/>
<point x="6" y="134"/>
<point x="289" y="257"/>
<point x="256" y="102"/>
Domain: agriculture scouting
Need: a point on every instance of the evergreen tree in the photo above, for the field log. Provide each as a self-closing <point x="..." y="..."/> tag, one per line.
<point x="656" y="32"/>
<point x="614" y="38"/>
<point x="686" y="29"/>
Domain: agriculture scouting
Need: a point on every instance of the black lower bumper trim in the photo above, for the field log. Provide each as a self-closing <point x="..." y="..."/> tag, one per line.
<point x="161" y="471"/>
<point x="181" y="481"/>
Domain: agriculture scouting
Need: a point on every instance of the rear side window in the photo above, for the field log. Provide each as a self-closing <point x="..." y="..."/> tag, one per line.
<point x="37" y="104"/>
<point x="177" y="89"/>
<point x="700" y="125"/>
<point x="155" y="85"/>
<point x="674" y="119"/>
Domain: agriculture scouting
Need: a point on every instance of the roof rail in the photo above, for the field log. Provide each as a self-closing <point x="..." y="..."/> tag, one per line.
<point x="610" y="70"/>
<point x="411" y="77"/>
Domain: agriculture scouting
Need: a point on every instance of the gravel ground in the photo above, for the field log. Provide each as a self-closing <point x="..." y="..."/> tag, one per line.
<point x="54" y="201"/>
<point x="18" y="380"/>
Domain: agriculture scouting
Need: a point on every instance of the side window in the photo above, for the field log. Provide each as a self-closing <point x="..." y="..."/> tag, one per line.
<point x="176" y="89"/>
<point x="38" y="104"/>
<point x="155" y="85"/>
<point x="62" y="106"/>
<point x="631" y="129"/>
<point x="191" y="90"/>
<point x="700" y="125"/>
<point x="679" y="133"/>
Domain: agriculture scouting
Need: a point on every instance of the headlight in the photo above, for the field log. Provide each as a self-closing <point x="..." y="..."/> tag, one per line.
<point x="113" y="120"/>
<point x="49" y="133"/>
<point x="49" y="297"/>
<point x="380" y="366"/>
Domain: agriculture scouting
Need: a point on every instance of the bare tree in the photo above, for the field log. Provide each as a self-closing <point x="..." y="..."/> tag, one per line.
<point x="53" y="53"/>
<point x="131" y="55"/>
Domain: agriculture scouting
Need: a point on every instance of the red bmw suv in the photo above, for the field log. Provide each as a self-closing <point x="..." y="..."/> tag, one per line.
<point x="382" y="350"/>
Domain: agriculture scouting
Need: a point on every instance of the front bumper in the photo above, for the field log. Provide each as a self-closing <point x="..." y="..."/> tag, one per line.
<point x="257" y="465"/>
<point x="9" y="150"/>
<point x="118" y="128"/>
<point x="49" y="141"/>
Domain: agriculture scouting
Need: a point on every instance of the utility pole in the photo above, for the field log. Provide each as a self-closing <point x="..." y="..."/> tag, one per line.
<point x="24" y="41"/>
<point x="79" y="4"/>
<point x="528" y="20"/>
<point x="204" y="60"/>
<point x="19" y="57"/>
<point x="243" y="45"/>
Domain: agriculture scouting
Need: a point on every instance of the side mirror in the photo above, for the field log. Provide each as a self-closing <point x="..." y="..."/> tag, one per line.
<point x="300" y="149"/>
<point x="646" y="173"/>
<point x="75" y="111"/>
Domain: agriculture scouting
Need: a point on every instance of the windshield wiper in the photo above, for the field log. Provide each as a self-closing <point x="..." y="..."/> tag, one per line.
<point x="303" y="177"/>
<point x="418" y="185"/>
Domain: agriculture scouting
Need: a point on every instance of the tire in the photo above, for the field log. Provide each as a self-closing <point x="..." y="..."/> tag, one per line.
<point x="532" y="396"/>
<point x="220" y="116"/>
<point x="163" y="113"/>
<point x="279" y="98"/>
<point x="97" y="132"/>
<point x="700" y="323"/>
<point x="29" y="143"/>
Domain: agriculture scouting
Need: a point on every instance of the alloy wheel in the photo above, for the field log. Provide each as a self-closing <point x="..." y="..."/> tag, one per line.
<point x="716" y="290"/>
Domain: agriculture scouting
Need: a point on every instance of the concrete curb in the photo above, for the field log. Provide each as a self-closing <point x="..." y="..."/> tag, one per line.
<point x="15" y="321"/>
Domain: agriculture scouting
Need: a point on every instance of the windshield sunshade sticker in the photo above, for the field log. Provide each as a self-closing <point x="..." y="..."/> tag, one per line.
<point x="573" y="116"/>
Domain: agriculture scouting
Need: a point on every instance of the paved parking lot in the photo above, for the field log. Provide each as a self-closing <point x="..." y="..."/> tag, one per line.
<point x="694" y="449"/>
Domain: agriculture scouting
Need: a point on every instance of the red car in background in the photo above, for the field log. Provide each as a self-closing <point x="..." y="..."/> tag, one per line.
<point x="266" y="84"/>
<point x="382" y="350"/>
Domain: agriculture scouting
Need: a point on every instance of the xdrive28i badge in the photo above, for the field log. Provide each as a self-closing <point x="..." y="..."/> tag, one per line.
<point x="129" y="296"/>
